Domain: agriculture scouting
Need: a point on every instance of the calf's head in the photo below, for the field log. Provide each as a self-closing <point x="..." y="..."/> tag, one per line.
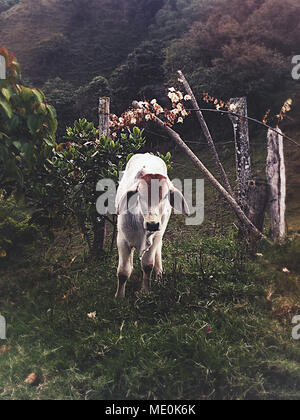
<point x="151" y="197"/>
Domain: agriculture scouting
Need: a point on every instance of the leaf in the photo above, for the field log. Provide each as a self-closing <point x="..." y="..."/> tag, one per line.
<point x="6" y="107"/>
<point x="52" y="111"/>
<point x="129" y="157"/>
<point x="31" y="379"/>
<point x="4" y="155"/>
<point x="52" y="124"/>
<point x="28" y="151"/>
<point x="34" y="123"/>
<point x="41" y="109"/>
<point x="6" y="93"/>
<point x="27" y="94"/>
<point x="4" y="349"/>
<point x="12" y="123"/>
<point x="18" y="145"/>
<point x="48" y="141"/>
<point x="13" y="171"/>
<point x="38" y="95"/>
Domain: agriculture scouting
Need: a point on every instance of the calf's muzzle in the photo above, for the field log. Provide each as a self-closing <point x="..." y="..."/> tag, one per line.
<point x="152" y="226"/>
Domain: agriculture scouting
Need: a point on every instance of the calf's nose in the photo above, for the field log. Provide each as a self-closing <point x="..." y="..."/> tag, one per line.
<point x="152" y="226"/>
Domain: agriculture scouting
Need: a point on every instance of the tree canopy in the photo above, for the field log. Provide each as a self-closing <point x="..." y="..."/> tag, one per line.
<point x="131" y="49"/>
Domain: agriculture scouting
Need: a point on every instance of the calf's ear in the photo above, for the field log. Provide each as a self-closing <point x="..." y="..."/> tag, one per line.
<point x="128" y="201"/>
<point x="178" y="202"/>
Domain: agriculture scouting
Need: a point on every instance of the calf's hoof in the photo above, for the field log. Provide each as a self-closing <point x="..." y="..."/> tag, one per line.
<point x="159" y="276"/>
<point x="122" y="279"/>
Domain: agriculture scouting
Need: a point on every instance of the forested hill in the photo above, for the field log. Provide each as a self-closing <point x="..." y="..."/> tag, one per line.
<point x="74" y="39"/>
<point x="131" y="49"/>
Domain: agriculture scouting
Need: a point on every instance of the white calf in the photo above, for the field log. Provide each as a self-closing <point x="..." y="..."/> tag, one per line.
<point x="144" y="202"/>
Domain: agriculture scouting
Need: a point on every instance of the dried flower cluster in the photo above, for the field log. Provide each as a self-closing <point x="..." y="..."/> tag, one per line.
<point x="265" y="120"/>
<point x="148" y="111"/>
<point x="287" y="106"/>
<point x="219" y="104"/>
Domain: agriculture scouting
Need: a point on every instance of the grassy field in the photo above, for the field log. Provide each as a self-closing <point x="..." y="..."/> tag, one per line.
<point x="217" y="327"/>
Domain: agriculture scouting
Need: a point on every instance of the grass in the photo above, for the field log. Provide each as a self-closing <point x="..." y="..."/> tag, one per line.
<point x="217" y="327"/>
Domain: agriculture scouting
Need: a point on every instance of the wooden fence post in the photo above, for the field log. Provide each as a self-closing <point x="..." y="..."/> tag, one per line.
<point x="253" y="194"/>
<point x="276" y="177"/>
<point x="2" y="68"/>
<point x="100" y="227"/>
<point x="242" y="150"/>
<point x="104" y="112"/>
<point x="258" y="195"/>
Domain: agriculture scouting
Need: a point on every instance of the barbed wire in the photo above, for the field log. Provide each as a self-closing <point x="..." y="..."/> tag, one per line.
<point x="190" y="142"/>
<point x="248" y="118"/>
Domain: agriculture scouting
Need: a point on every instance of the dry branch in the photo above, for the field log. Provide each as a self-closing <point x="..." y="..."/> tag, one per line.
<point x="207" y="134"/>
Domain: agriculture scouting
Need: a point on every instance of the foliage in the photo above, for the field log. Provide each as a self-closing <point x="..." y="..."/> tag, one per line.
<point x="7" y="4"/>
<point x="76" y="40"/>
<point x="167" y="159"/>
<point x="79" y="164"/>
<point x="27" y="128"/>
<point x="15" y="236"/>
<point x="61" y="94"/>
<point x="139" y="77"/>
<point x="71" y="102"/>
<point x="224" y="49"/>
<point x="16" y="231"/>
<point x="174" y="18"/>
<point x="86" y="98"/>
<point x="233" y="51"/>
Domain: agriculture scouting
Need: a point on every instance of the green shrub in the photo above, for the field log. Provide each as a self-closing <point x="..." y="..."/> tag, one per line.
<point x="27" y="129"/>
<point x="16" y="231"/>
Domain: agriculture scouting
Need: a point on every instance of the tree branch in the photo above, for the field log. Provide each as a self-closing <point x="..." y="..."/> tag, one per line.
<point x="207" y="134"/>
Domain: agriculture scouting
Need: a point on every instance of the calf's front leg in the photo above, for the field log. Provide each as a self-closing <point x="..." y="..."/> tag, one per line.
<point x="158" y="261"/>
<point x="148" y="262"/>
<point x="125" y="267"/>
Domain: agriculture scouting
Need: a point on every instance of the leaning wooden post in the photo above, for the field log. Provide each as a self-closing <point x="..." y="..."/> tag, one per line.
<point x="100" y="222"/>
<point x="242" y="150"/>
<point x="207" y="134"/>
<point x="276" y="177"/>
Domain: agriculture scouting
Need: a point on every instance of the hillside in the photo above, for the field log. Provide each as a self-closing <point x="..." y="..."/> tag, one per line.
<point x="74" y="39"/>
<point x="138" y="45"/>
